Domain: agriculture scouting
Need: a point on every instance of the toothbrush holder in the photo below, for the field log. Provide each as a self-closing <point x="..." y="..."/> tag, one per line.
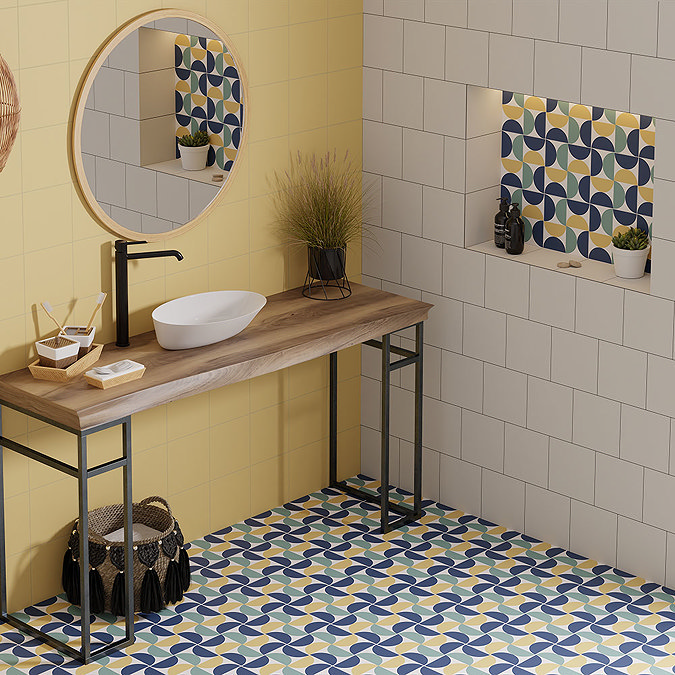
<point x="81" y="335"/>
<point x="57" y="352"/>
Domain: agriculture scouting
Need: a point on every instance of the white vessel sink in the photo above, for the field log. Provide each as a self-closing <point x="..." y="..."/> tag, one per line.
<point x="205" y="318"/>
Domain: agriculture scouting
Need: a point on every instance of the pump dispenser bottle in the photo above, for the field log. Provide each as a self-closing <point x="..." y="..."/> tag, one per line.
<point x="500" y="221"/>
<point x="514" y="232"/>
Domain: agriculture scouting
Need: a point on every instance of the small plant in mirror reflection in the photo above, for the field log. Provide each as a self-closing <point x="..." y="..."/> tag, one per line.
<point x="319" y="201"/>
<point x="196" y="140"/>
<point x="633" y="239"/>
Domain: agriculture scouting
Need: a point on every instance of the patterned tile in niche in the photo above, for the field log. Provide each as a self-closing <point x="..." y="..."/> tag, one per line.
<point x="209" y="96"/>
<point x="308" y="588"/>
<point x="579" y="172"/>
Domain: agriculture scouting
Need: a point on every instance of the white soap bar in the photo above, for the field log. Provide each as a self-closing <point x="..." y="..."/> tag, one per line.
<point x="115" y="370"/>
<point x="140" y="530"/>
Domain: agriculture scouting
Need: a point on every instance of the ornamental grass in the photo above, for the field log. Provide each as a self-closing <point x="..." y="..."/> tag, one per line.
<point x="319" y="201"/>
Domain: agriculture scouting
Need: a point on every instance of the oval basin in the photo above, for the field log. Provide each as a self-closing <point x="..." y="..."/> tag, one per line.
<point x="205" y="318"/>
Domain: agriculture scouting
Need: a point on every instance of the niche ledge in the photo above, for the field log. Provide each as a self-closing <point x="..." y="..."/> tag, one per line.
<point x="548" y="259"/>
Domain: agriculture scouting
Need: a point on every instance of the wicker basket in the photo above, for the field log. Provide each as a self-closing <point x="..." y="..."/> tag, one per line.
<point x="10" y="112"/>
<point x="161" y="566"/>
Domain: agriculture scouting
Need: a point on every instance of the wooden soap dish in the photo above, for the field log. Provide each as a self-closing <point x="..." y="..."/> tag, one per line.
<point x="112" y="380"/>
<point x="64" y="374"/>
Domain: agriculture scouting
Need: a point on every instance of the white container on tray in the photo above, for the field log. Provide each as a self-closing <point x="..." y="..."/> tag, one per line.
<point x="57" y="352"/>
<point x="83" y="337"/>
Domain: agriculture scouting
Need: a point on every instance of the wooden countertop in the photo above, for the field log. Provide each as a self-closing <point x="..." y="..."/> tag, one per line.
<point x="290" y="329"/>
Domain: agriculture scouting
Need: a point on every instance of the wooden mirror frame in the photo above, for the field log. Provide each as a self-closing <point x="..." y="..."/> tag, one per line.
<point x="10" y="112"/>
<point x="75" y="160"/>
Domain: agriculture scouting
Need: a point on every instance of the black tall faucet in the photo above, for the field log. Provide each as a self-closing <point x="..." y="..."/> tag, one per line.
<point x="122" y="283"/>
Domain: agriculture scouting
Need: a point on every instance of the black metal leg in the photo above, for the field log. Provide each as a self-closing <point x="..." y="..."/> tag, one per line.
<point x="419" y="400"/>
<point x="415" y="358"/>
<point x="384" y="435"/>
<point x="3" y="552"/>
<point x="332" y="419"/>
<point x="83" y="496"/>
<point x="128" y="532"/>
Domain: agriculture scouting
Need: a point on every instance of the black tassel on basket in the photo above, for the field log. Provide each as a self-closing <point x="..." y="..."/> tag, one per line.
<point x="96" y="592"/>
<point x="184" y="569"/>
<point x="118" y="603"/>
<point x="151" y="593"/>
<point x="172" y="584"/>
<point x="70" y="578"/>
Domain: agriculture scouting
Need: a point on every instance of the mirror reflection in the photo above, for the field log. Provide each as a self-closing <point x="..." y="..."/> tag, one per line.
<point x="168" y="80"/>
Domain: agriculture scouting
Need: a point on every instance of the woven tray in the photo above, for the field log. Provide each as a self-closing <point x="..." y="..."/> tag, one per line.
<point x="64" y="374"/>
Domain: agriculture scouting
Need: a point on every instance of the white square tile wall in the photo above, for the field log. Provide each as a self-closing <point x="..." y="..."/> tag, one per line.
<point x="443" y="215"/>
<point x="483" y="441"/>
<point x="528" y="347"/>
<point x="583" y="23"/>
<point x="536" y="19"/>
<point x="503" y="500"/>
<point x="571" y="470"/>
<point x="505" y="394"/>
<point x="596" y="423"/>
<point x="633" y="27"/>
<point x="423" y="157"/>
<point x="600" y="90"/>
<point x="526" y="455"/>
<point x="557" y="71"/>
<point x="641" y="546"/>
<point x="510" y="64"/>
<point x="452" y="13"/>
<point x="547" y="515"/>
<point x="548" y="398"/>
<point x="618" y="486"/>
<point x="484" y="334"/>
<point x="593" y="531"/>
<point x="423" y="49"/>
<point x="459" y="68"/>
<point x="402" y="99"/>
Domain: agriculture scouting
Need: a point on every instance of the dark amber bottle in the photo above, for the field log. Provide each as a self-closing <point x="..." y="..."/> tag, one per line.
<point x="514" y="232"/>
<point x="500" y="222"/>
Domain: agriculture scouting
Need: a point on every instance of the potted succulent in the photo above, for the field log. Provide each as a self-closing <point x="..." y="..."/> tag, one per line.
<point x="319" y="202"/>
<point x="194" y="150"/>
<point x="629" y="253"/>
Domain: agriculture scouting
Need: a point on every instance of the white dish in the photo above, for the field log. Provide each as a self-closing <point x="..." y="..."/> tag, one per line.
<point x="205" y="318"/>
<point x="105" y="373"/>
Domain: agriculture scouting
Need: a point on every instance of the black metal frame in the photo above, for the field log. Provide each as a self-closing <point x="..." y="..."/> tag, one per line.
<point x="416" y="358"/>
<point x="83" y="474"/>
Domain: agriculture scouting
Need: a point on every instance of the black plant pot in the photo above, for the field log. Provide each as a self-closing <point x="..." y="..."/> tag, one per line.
<point x="326" y="264"/>
<point x="326" y="277"/>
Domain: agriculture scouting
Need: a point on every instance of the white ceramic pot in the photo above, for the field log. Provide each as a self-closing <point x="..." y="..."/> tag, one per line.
<point x="629" y="264"/>
<point x="194" y="159"/>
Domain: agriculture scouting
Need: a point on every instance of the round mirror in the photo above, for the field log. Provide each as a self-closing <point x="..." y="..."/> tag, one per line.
<point x="158" y="125"/>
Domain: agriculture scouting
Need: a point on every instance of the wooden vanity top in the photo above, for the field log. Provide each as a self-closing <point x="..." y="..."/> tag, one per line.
<point x="290" y="329"/>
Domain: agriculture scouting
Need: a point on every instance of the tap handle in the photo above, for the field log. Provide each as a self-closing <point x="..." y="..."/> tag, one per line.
<point x="121" y="244"/>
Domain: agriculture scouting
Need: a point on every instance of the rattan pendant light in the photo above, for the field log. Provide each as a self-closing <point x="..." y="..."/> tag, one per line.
<point x="9" y="112"/>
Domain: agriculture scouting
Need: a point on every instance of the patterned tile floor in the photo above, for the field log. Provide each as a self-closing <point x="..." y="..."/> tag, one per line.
<point x="308" y="588"/>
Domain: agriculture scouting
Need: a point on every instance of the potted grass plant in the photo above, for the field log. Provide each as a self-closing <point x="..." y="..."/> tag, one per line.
<point x="319" y="205"/>
<point x="629" y="253"/>
<point x="194" y="150"/>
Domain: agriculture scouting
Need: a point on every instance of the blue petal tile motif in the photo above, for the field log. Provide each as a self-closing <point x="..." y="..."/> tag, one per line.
<point x="208" y="96"/>
<point x="310" y="588"/>
<point x="579" y="172"/>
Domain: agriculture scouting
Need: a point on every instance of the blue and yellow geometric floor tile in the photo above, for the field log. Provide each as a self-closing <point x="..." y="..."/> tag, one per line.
<point x="311" y="588"/>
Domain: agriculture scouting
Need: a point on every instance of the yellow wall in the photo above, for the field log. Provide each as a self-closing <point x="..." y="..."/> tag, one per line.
<point x="218" y="457"/>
